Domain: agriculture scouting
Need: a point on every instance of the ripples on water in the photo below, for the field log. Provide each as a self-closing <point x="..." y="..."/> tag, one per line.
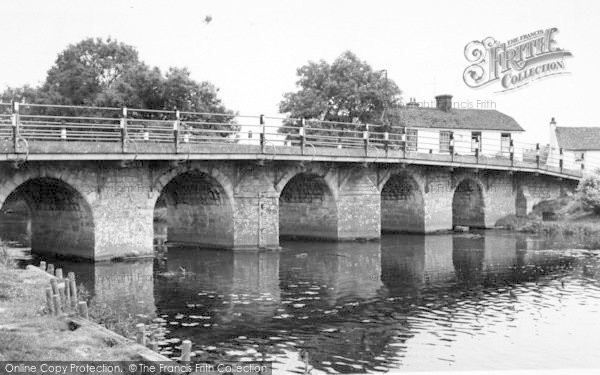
<point x="471" y="301"/>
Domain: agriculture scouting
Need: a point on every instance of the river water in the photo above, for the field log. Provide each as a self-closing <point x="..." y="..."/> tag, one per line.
<point x="486" y="300"/>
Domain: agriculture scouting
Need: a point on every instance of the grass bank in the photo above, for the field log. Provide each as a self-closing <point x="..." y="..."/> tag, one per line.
<point x="28" y="332"/>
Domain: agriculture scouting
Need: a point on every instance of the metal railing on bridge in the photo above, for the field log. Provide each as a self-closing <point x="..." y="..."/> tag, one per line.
<point x="26" y="124"/>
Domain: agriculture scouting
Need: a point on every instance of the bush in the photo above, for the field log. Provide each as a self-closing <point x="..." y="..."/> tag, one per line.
<point x="589" y="193"/>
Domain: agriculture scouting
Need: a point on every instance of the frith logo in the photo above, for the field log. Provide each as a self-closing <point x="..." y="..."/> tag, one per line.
<point x="515" y="63"/>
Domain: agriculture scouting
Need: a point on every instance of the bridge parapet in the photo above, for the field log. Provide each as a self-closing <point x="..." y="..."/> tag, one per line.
<point x="51" y="132"/>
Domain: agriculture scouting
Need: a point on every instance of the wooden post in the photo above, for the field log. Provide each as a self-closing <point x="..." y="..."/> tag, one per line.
<point x="56" y="301"/>
<point x="67" y="293"/>
<point x="83" y="309"/>
<point x="54" y="285"/>
<point x="73" y="289"/>
<point x="49" y="301"/>
<point x="141" y="334"/>
<point x="50" y="269"/>
<point x="43" y="265"/>
<point x="186" y="350"/>
<point x="59" y="273"/>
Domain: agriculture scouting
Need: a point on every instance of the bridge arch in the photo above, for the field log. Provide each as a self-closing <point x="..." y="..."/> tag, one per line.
<point x="307" y="208"/>
<point x="468" y="203"/>
<point x="195" y="206"/>
<point x="402" y="204"/>
<point x="60" y="214"/>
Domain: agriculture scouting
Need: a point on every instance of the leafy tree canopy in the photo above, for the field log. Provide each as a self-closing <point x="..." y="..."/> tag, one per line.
<point x="108" y="73"/>
<point x="349" y="90"/>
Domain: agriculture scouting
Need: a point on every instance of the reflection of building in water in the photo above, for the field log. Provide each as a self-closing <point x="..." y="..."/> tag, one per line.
<point x="349" y="270"/>
<point x="125" y="287"/>
<point x="230" y="283"/>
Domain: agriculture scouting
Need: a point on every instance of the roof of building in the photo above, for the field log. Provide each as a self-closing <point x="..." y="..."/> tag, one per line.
<point x="467" y="119"/>
<point x="578" y="138"/>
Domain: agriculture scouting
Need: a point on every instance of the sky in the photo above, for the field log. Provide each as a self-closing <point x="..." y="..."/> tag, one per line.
<point x="251" y="49"/>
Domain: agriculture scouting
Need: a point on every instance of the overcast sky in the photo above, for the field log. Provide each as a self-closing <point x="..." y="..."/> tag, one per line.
<point x="251" y="49"/>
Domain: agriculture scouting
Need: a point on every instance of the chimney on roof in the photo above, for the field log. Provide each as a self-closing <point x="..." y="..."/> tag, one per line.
<point x="444" y="102"/>
<point x="553" y="141"/>
<point x="412" y="103"/>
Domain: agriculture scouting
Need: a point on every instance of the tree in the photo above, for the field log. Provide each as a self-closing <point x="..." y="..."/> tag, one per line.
<point x="349" y="90"/>
<point x="83" y="71"/>
<point x="108" y="73"/>
<point x="589" y="192"/>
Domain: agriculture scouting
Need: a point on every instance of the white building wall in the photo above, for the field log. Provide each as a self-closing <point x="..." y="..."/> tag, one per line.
<point x="428" y="140"/>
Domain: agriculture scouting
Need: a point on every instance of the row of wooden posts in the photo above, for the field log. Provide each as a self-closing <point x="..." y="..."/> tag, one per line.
<point x="62" y="296"/>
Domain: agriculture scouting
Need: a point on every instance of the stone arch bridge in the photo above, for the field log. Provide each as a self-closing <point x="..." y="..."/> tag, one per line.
<point x="104" y="209"/>
<point x="95" y="180"/>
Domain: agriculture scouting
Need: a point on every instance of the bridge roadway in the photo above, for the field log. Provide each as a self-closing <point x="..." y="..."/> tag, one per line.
<point x="99" y="186"/>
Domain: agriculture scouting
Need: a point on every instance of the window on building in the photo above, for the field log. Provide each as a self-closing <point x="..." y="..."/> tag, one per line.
<point x="445" y="136"/>
<point x="475" y="141"/>
<point x="505" y="143"/>
<point x="411" y="139"/>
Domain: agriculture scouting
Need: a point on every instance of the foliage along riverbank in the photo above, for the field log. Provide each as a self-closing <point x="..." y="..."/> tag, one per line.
<point x="566" y="216"/>
<point x="29" y="333"/>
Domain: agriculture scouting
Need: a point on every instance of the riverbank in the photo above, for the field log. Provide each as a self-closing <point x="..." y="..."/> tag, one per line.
<point x="29" y="333"/>
<point x="564" y="216"/>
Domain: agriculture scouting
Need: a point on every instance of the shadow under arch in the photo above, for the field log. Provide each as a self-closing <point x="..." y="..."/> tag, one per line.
<point x="194" y="208"/>
<point x="468" y="205"/>
<point x="402" y="205"/>
<point x="60" y="218"/>
<point x="307" y="208"/>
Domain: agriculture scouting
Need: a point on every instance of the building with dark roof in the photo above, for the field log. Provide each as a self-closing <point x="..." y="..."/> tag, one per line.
<point x="580" y="144"/>
<point x="434" y="129"/>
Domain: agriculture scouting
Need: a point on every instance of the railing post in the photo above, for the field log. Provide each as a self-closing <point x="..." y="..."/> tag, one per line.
<point x="560" y="161"/>
<point x="302" y="132"/>
<point x="511" y="149"/>
<point x="16" y="122"/>
<point x="386" y="142"/>
<point x="176" y="129"/>
<point x="537" y="155"/>
<point x="63" y="130"/>
<point x="451" y="146"/>
<point x="366" y="138"/>
<point x="262" y="133"/>
<point x="123" y="125"/>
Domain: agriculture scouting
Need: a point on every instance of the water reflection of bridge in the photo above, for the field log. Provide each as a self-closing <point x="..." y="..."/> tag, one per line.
<point x="341" y="289"/>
